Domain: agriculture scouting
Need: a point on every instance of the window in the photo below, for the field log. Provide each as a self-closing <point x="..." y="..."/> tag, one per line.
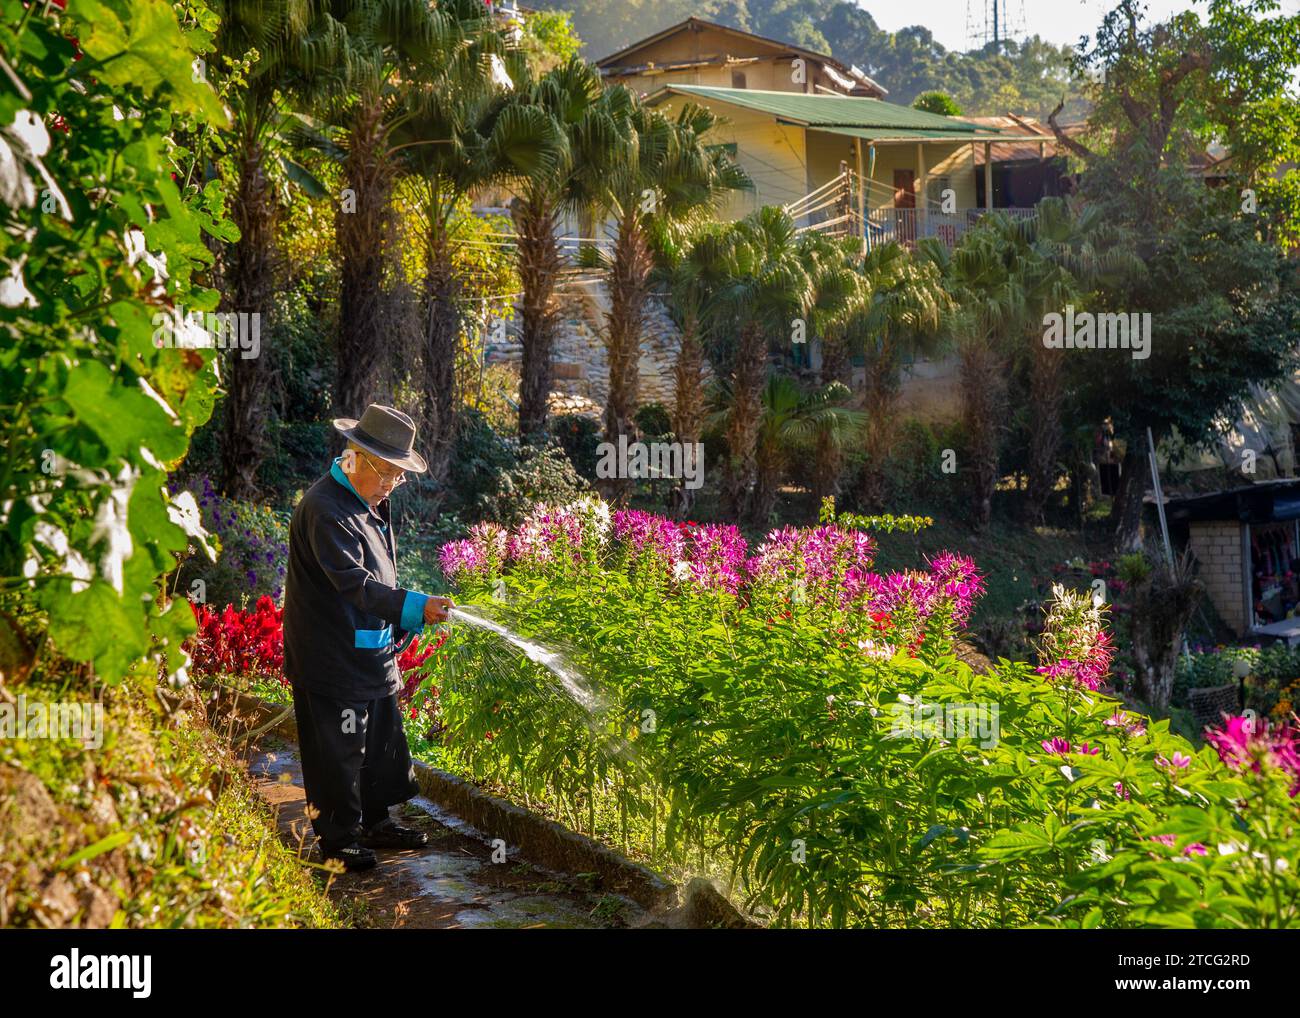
<point x="934" y="188"/>
<point x="738" y="79"/>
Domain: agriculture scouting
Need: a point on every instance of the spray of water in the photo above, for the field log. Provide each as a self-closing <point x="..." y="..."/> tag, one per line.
<point x="568" y="677"/>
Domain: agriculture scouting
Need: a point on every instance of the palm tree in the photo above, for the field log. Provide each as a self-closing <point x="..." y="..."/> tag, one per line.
<point x="594" y="126"/>
<point x="469" y="126"/>
<point x="1063" y="256"/>
<point x="396" y="49"/>
<point x="791" y="418"/>
<point x="758" y="286"/>
<point x="292" y="52"/>
<point x="669" y="174"/>
<point x="991" y="296"/>
<point x="903" y="314"/>
<point x="685" y="260"/>
<point x="840" y="292"/>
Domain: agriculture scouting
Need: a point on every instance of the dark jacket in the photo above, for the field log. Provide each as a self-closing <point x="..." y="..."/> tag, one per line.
<point x="345" y="617"/>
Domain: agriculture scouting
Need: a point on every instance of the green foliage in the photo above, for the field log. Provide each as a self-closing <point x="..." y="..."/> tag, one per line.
<point x="496" y="477"/>
<point x="253" y="556"/>
<point x="580" y="435"/>
<point x="886" y="523"/>
<point x="1133" y="568"/>
<point x="937" y="102"/>
<point x="653" y="419"/>
<point x="753" y="737"/>
<point x="98" y="239"/>
<point x="550" y="39"/>
<point x="160" y="827"/>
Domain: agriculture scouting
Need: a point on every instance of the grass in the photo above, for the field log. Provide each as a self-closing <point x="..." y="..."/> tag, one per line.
<point x="159" y="826"/>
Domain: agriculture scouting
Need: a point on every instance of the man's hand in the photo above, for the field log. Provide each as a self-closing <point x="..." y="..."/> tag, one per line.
<point x="435" y="609"/>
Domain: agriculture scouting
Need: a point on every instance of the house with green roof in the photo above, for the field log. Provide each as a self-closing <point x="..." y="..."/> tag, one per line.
<point x="849" y="164"/>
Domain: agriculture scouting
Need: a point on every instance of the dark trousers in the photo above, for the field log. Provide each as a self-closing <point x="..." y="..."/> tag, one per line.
<point x="355" y="762"/>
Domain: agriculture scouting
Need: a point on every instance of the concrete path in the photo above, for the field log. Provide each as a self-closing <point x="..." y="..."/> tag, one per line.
<point x="452" y="883"/>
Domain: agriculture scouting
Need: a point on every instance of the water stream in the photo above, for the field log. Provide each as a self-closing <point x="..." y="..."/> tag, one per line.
<point x="573" y="684"/>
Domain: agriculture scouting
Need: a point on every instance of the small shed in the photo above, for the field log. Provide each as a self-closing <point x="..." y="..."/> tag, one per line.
<point x="1247" y="542"/>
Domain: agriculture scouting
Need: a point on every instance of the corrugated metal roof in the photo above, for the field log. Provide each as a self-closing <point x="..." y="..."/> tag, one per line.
<point x="904" y="134"/>
<point x="829" y="111"/>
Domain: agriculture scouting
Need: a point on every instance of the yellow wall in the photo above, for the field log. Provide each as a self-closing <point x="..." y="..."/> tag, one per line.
<point x="772" y="154"/>
<point x="954" y="161"/>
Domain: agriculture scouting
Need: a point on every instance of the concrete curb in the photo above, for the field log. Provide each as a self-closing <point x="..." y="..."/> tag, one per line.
<point x="546" y="843"/>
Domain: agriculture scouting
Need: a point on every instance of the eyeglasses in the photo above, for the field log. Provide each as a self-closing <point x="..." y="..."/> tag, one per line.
<point x="389" y="479"/>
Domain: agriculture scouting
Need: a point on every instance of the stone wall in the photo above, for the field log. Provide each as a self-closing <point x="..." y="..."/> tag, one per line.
<point x="1217" y="547"/>
<point x="581" y="366"/>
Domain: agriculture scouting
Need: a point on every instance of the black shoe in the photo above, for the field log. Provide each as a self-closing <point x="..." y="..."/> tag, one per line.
<point x="390" y="834"/>
<point x="353" y="856"/>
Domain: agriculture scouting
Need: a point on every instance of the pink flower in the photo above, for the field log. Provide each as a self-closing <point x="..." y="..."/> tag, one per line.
<point x="1181" y="761"/>
<point x="1121" y="791"/>
<point x="1057" y="747"/>
<point x="1246" y="743"/>
<point x="1131" y="726"/>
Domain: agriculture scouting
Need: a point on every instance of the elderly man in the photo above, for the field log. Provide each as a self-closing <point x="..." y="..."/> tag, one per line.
<point x="345" y="621"/>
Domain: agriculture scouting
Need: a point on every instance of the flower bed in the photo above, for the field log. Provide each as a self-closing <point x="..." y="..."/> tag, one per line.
<point x="788" y="718"/>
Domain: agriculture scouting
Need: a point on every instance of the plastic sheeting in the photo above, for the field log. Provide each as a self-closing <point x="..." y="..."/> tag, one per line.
<point x="1264" y="428"/>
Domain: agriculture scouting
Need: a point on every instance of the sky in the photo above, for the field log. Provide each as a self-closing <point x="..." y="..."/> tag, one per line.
<point x="1059" y="21"/>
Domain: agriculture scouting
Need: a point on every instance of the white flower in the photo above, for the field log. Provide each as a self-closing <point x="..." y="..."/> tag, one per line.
<point x="74" y="563"/>
<point x="681" y="571"/>
<point x="28" y="129"/>
<point x="13" y="289"/>
<point x="137" y="252"/>
<point x="111" y="529"/>
<point x="878" y="650"/>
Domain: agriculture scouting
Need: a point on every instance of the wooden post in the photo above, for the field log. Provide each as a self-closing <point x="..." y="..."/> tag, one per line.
<point x="922" y="210"/>
<point x="862" y="196"/>
<point x="988" y="174"/>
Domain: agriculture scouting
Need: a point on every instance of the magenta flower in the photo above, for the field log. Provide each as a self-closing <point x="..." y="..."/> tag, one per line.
<point x="462" y="560"/>
<point x="652" y="541"/>
<point x="717" y="556"/>
<point x="1056" y="747"/>
<point x="1249" y="743"/>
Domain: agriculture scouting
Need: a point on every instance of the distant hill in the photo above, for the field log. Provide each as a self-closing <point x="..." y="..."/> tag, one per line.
<point x="1024" y="78"/>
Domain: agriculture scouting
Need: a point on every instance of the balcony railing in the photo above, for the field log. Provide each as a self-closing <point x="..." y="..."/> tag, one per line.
<point x="907" y="226"/>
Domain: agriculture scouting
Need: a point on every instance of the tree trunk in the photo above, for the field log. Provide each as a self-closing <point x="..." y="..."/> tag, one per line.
<point x="442" y="318"/>
<point x="882" y="392"/>
<point x="828" y="456"/>
<point x="836" y="366"/>
<point x="365" y="242"/>
<point x="629" y="290"/>
<point x="688" y="403"/>
<point x="539" y="267"/>
<point x="746" y="416"/>
<point x="983" y="387"/>
<point x="1045" y="395"/>
<point x="251" y="282"/>
<point x="767" y="476"/>
<point x="1126" y="512"/>
<point x="1162" y="607"/>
